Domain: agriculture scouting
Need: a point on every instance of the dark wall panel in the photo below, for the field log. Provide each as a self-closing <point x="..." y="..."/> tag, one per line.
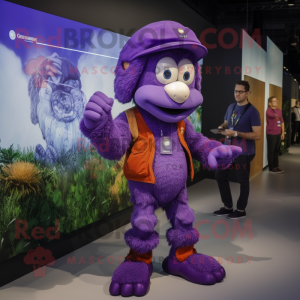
<point x="218" y="87"/>
<point x="295" y="89"/>
<point x="124" y="17"/>
<point x="287" y="95"/>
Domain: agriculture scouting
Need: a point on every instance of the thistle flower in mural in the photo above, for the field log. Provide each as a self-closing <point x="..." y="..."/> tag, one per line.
<point x="21" y="178"/>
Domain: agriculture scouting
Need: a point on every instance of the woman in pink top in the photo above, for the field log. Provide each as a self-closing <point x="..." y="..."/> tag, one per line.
<point x="275" y="133"/>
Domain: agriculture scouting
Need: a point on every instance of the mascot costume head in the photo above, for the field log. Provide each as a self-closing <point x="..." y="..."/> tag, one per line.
<point x="157" y="68"/>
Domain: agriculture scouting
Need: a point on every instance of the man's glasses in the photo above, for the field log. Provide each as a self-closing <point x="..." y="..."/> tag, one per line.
<point x="239" y="92"/>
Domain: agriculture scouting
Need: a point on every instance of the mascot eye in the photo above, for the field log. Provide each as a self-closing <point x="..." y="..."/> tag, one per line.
<point x="167" y="74"/>
<point x="166" y="70"/>
<point x="186" y="76"/>
<point x="186" y="71"/>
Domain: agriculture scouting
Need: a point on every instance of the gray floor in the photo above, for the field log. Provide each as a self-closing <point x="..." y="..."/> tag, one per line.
<point x="261" y="263"/>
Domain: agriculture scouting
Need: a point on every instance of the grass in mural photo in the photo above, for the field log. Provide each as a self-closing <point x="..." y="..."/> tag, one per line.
<point x="78" y="190"/>
<point x="196" y="119"/>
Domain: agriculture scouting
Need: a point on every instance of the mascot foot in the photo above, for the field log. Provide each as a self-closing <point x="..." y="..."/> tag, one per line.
<point x="197" y="268"/>
<point x="131" y="279"/>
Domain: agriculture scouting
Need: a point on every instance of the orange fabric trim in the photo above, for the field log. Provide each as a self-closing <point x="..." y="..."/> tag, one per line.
<point x="134" y="256"/>
<point x="139" y="158"/>
<point x="132" y="123"/>
<point x="180" y="131"/>
<point x="147" y="133"/>
<point x="182" y="253"/>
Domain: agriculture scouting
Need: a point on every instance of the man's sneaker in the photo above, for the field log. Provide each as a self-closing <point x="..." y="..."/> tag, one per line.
<point x="274" y="171"/>
<point x="279" y="170"/>
<point x="223" y="211"/>
<point x="237" y="214"/>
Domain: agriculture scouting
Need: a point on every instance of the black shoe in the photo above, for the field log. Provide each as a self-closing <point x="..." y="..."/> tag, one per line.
<point x="237" y="215"/>
<point x="223" y="211"/>
<point x="279" y="170"/>
<point x="274" y="171"/>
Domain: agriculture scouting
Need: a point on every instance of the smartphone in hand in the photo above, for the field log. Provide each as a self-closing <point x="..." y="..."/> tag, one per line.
<point x="217" y="131"/>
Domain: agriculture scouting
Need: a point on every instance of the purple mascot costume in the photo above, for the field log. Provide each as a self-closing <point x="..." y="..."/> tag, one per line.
<point x="158" y="68"/>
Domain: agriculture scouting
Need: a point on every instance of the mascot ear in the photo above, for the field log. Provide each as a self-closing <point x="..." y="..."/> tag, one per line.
<point x="33" y="93"/>
<point x="127" y="76"/>
<point x="125" y="65"/>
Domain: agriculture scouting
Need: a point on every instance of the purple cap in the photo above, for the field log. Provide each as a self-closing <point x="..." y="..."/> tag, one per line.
<point x="160" y="36"/>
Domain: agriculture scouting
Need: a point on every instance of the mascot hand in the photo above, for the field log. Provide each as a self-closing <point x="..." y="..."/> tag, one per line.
<point x="222" y="156"/>
<point x="97" y="110"/>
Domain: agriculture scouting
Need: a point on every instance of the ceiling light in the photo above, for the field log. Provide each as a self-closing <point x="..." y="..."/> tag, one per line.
<point x="294" y="40"/>
<point x="291" y="2"/>
<point x="295" y="79"/>
<point x="284" y="67"/>
<point x="287" y="69"/>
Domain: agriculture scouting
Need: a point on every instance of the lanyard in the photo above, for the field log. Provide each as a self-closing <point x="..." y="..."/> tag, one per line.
<point x="233" y="111"/>
<point x="276" y="114"/>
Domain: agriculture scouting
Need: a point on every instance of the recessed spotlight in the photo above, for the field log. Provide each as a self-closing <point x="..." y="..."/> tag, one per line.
<point x="287" y="69"/>
<point x="291" y="2"/>
<point x="294" y="40"/>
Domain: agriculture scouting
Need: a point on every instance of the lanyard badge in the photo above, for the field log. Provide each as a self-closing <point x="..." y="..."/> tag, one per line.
<point x="278" y="122"/>
<point x="277" y="119"/>
<point x="166" y="145"/>
<point x="233" y="117"/>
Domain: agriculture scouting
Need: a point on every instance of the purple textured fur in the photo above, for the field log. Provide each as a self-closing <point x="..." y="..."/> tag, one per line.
<point x="126" y="80"/>
<point x="112" y="140"/>
<point x="127" y="272"/>
<point x="197" y="268"/>
<point x="131" y="278"/>
<point x="169" y="192"/>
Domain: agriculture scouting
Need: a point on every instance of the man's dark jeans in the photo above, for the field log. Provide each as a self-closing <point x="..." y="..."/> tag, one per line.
<point x="241" y="166"/>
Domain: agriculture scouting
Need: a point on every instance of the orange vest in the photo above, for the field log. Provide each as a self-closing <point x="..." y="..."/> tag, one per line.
<point x="139" y="157"/>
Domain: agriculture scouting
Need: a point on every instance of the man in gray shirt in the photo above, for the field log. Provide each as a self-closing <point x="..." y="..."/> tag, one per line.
<point x="296" y="123"/>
